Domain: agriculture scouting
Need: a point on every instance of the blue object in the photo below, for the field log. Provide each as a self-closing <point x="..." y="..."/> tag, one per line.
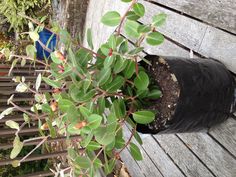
<point x="48" y="39"/>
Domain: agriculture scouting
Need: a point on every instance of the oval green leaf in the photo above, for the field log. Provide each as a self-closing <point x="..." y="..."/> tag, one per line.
<point x="143" y="117"/>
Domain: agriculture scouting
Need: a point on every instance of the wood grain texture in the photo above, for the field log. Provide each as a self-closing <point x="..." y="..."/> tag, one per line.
<point x="146" y="165"/>
<point x="131" y="164"/>
<point x="219" y="161"/>
<point x="225" y="134"/>
<point x="159" y="157"/>
<point x="219" y="13"/>
<point x="201" y="38"/>
<point x="182" y="157"/>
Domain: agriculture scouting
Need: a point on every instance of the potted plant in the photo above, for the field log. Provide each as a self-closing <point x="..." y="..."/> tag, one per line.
<point x="96" y="92"/>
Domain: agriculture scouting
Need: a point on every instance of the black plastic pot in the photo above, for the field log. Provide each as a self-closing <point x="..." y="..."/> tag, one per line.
<point x="206" y="95"/>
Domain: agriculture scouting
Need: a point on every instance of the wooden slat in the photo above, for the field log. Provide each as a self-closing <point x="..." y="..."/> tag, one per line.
<point x="134" y="170"/>
<point x="219" y="161"/>
<point x="2" y="108"/>
<point x="163" y="162"/>
<point x="217" y="13"/>
<point x="146" y="165"/>
<point x="195" y="35"/>
<point x="35" y="157"/>
<point x="225" y="134"/>
<point x="182" y="157"/>
<point x="9" y="78"/>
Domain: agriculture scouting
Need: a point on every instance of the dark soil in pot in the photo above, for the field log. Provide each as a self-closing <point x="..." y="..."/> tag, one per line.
<point x="196" y="94"/>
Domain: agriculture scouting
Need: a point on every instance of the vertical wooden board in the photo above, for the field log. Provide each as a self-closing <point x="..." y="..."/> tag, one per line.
<point x="220" y="13"/>
<point x="219" y="161"/>
<point x="130" y="163"/>
<point x="182" y="29"/>
<point x="167" y="48"/>
<point x="163" y="162"/>
<point x="93" y="19"/>
<point x="225" y="134"/>
<point x="220" y="45"/>
<point x="182" y="156"/>
<point x="148" y="168"/>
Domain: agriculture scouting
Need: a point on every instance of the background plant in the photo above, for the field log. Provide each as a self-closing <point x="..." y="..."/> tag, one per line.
<point x="12" y="8"/>
<point x="95" y="93"/>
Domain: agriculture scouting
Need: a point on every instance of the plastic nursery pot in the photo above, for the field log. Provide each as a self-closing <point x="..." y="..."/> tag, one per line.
<point x="196" y="94"/>
<point x="49" y="40"/>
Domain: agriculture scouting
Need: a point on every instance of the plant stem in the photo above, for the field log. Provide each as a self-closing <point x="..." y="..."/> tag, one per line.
<point x="21" y="109"/>
<point x="129" y="140"/>
<point x="45" y="138"/>
<point x="123" y="17"/>
<point x="28" y="58"/>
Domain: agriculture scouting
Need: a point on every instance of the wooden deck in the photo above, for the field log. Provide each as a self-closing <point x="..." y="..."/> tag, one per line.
<point x="208" y="28"/>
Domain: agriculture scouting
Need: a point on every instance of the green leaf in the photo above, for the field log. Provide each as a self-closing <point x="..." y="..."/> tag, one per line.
<point x="97" y="163"/>
<point x="92" y="146"/>
<point x="155" y="38"/>
<point x="80" y="97"/>
<point x="103" y="136"/>
<point x="12" y="124"/>
<point x="105" y="49"/>
<point x="124" y="47"/>
<point x="120" y="65"/>
<point x="21" y="87"/>
<point x="144" y="28"/>
<point x="109" y="166"/>
<point x="83" y="162"/>
<point x="154" y="94"/>
<point x="126" y="0"/>
<point x="104" y="76"/>
<point x="131" y="29"/>
<point x="141" y="82"/>
<point x="94" y="121"/>
<point x="30" y="51"/>
<point x="129" y="70"/>
<point x="90" y="38"/>
<point x="135" y="152"/>
<point x="65" y="104"/>
<point x="55" y="59"/>
<point x="23" y="62"/>
<point x="65" y="37"/>
<point x="136" y="50"/>
<point x="116" y="84"/>
<point x="52" y="83"/>
<point x="138" y="138"/>
<point x="143" y="117"/>
<point x="83" y="57"/>
<point x="131" y="15"/>
<point x="112" y="42"/>
<point x="109" y="61"/>
<point x="17" y="147"/>
<point x="111" y="18"/>
<point x="159" y="19"/>
<point x="87" y="139"/>
<point x="84" y="111"/>
<point x="139" y="9"/>
<point x="38" y="82"/>
<point x="15" y="163"/>
<point x="119" y="108"/>
<point x="34" y="36"/>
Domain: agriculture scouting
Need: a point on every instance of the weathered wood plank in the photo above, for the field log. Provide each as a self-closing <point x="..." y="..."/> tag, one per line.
<point x="225" y="134"/>
<point x="216" y="44"/>
<point x="195" y="35"/>
<point x="133" y="168"/>
<point x="219" y="161"/>
<point x="146" y="165"/>
<point x="182" y="156"/>
<point x="93" y="18"/>
<point x="220" y="13"/>
<point x="178" y="27"/>
<point x="160" y="158"/>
